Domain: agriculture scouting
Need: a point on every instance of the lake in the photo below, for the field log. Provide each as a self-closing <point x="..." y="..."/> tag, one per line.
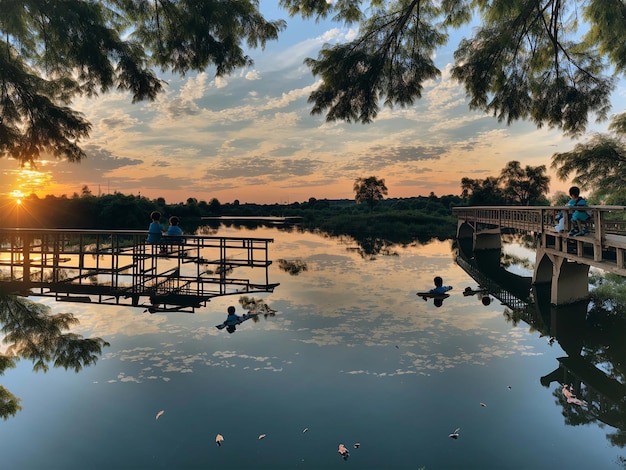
<point x="351" y="356"/>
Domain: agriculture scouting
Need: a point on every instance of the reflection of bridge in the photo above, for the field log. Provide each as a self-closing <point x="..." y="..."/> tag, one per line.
<point x="514" y="297"/>
<point x="119" y="267"/>
<point x="562" y="261"/>
<point x="594" y="342"/>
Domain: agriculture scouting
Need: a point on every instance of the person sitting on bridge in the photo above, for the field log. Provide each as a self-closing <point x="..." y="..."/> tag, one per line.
<point x="579" y="216"/>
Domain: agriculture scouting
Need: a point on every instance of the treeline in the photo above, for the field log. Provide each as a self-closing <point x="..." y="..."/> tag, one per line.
<point x="397" y="220"/>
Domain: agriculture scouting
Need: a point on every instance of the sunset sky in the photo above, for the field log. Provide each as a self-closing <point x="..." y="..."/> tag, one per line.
<point x="250" y="136"/>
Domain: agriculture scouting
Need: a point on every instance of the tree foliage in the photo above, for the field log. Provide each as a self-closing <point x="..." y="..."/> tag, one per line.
<point x="52" y="52"/>
<point x="528" y="59"/>
<point x="524" y="186"/>
<point x="515" y="185"/>
<point x="599" y="163"/>
<point x="547" y="61"/>
<point x="369" y="190"/>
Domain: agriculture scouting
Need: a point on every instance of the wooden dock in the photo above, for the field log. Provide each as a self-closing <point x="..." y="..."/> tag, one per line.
<point x="120" y="268"/>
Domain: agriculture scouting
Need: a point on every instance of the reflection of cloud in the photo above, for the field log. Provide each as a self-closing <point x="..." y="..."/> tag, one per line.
<point x="108" y="321"/>
<point x="342" y="304"/>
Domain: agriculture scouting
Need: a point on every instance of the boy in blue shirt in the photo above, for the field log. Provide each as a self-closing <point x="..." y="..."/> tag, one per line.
<point x="155" y="231"/>
<point x="174" y="230"/>
<point x="439" y="287"/>
<point x="579" y="216"/>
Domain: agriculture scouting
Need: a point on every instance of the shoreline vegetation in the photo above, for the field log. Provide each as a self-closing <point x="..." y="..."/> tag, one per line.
<point x="393" y="220"/>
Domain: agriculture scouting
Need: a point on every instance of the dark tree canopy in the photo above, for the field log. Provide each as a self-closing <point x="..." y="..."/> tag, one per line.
<point x="369" y="190"/>
<point x="515" y="185"/>
<point x="528" y="59"/>
<point x="553" y="62"/>
<point x="599" y="163"/>
<point x="52" y="52"/>
<point x="31" y="332"/>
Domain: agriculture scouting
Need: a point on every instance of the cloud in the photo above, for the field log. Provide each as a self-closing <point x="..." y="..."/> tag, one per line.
<point x="117" y="121"/>
<point x="259" y="167"/>
<point x="253" y="75"/>
<point x="219" y="82"/>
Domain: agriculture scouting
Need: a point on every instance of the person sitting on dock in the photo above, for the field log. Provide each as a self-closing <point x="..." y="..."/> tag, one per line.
<point x="173" y="236"/>
<point x="155" y="231"/>
<point x="174" y="230"/>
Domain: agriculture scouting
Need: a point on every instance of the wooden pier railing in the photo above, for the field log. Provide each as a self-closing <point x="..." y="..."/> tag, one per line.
<point x="604" y="246"/>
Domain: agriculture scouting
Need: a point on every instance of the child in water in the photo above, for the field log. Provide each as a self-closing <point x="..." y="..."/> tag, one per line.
<point x="439" y="287"/>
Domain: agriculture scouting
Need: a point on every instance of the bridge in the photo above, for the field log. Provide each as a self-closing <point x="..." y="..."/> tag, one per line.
<point x="562" y="261"/>
<point x="118" y="267"/>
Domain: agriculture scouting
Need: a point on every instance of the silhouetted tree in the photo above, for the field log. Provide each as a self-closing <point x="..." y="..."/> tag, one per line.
<point x="482" y="192"/>
<point x="525" y="186"/>
<point x="514" y="185"/>
<point x="369" y="190"/>
<point x="598" y="164"/>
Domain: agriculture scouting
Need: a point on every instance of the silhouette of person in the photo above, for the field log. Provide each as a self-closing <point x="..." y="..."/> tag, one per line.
<point x="155" y="230"/>
<point x="439" y="287"/>
<point x="481" y="293"/>
<point x="232" y="320"/>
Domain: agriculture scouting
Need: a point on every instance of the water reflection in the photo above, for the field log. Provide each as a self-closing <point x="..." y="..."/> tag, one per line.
<point x="31" y="332"/>
<point x="591" y="378"/>
<point x="349" y="353"/>
<point x="293" y="267"/>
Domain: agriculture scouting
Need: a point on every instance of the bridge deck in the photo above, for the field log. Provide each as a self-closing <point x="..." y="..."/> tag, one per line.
<point x="603" y="247"/>
<point x="119" y="267"/>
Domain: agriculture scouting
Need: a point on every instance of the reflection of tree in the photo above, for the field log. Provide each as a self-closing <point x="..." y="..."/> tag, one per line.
<point x="32" y="333"/>
<point x="293" y="267"/>
<point x="369" y="247"/>
<point x="257" y="305"/>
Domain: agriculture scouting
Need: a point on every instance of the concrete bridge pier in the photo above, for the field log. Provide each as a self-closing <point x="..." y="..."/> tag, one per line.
<point x="569" y="280"/>
<point x="483" y="239"/>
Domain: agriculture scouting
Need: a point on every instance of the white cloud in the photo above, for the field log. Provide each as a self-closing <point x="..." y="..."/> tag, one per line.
<point x="253" y="75"/>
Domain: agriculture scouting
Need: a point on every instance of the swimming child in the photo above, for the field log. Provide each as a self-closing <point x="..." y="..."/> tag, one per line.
<point x="439" y="287"/>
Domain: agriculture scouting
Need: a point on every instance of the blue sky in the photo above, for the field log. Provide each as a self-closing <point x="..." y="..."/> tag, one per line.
<point x="250" y="136"/>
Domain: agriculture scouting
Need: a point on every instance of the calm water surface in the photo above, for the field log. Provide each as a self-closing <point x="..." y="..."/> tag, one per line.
<point x="351" y="356"/>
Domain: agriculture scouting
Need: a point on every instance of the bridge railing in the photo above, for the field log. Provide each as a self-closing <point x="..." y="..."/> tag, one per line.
<point x="540" y="219"/>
